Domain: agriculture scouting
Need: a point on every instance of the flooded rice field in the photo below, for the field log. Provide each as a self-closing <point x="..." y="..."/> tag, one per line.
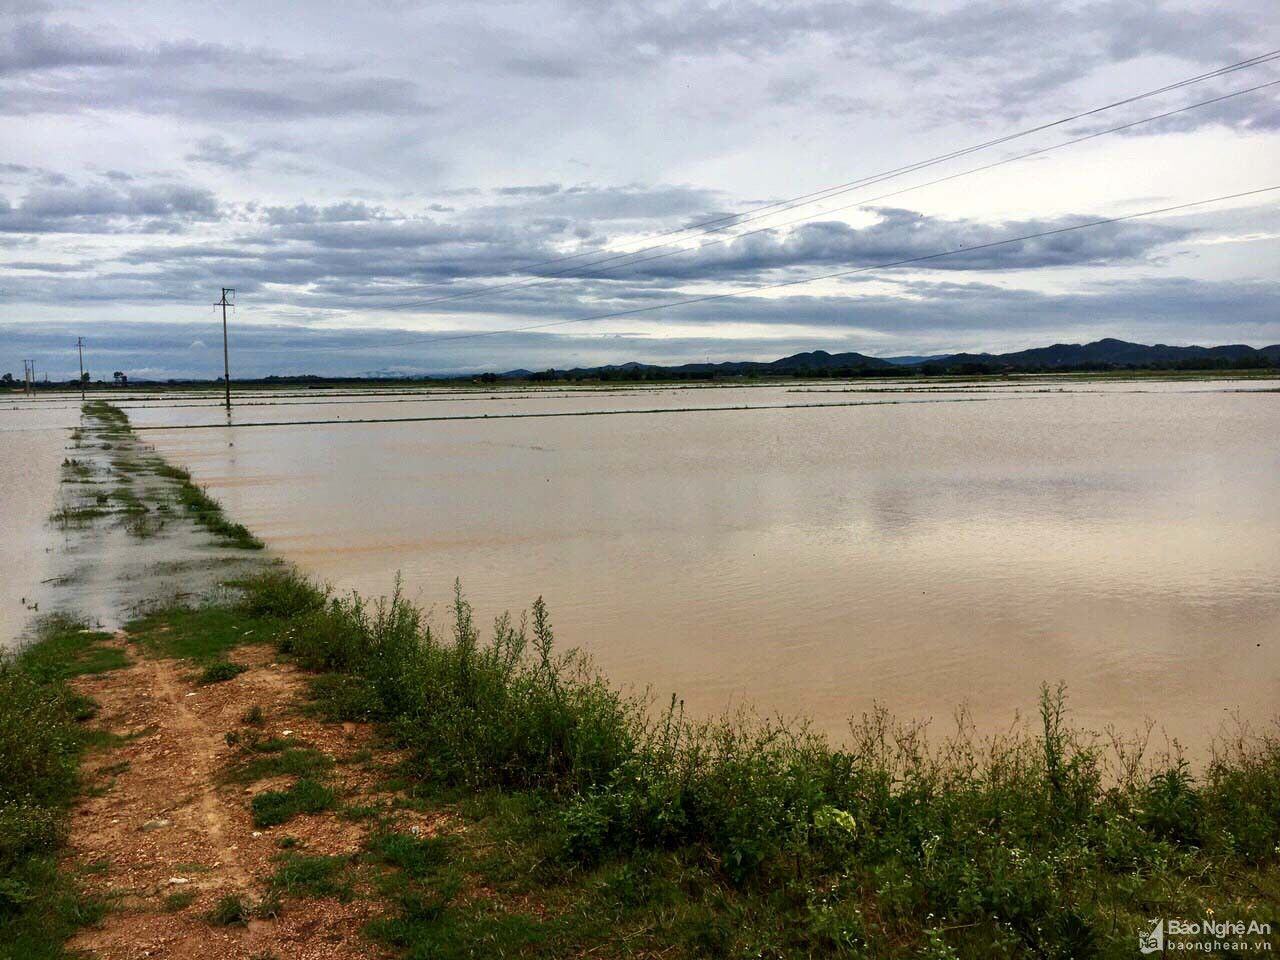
<point x="813" y="548"/>
<point x="32" y="442"/>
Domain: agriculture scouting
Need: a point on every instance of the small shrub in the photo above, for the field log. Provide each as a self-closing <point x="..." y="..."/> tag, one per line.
<point x="221" y="671"/>
<point x="1171" y="809"/>
<point x="179" y="901"/>
<point x="279" y="594"/>
<point x="230" y="910"/>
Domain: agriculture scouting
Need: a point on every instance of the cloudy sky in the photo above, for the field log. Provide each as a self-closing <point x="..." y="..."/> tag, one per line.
<point x="360" y="173"/>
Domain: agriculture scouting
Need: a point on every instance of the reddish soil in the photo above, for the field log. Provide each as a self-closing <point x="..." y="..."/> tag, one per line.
<point x="161" y="818"/>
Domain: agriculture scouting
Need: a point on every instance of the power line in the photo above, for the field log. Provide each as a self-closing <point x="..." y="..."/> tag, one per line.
<point x="906" y="261"/>
<point x="866" y="200"/>
<point x="829" y="192"/>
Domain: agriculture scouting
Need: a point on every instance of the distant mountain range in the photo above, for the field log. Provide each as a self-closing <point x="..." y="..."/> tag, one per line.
<point x="1103" y="354"/>
<point x="915" y="360"/>
<point x="1115" y="353"/>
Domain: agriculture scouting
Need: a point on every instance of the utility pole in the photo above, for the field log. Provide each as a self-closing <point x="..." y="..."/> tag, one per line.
<point x="80" y="350"/>
<point x="226" y="357"/>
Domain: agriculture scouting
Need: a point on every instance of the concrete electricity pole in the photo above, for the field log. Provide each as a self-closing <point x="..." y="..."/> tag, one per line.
<point x="80" y="350"/>
<point x="226" y="357"/>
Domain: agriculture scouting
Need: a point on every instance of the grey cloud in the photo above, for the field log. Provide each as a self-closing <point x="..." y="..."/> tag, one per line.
<point x="898" y="32"/>
<point x="34" y="45"/>
<point x="537" y="190"/>
<point x="217" y="152"/>
<point x="903" y="234"/>
<point x="395" y="264"/>
<point x="57" y="68"/>
<point x="1259" y="111"/>
<point x="999" y="57"/>
<point x="101" y="206"/>
<point x="330" y="213"/>
<point x="42" y="267"/>
<point x="564" y="67"/>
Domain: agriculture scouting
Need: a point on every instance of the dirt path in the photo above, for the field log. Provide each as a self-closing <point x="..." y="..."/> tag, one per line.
<point x="164" y="837"/>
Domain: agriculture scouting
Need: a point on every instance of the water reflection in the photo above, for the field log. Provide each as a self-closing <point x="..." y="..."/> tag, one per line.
<point x="815" y="560"/>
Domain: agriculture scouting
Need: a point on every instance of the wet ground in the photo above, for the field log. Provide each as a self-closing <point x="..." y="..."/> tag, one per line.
<point x="97" y="532"/>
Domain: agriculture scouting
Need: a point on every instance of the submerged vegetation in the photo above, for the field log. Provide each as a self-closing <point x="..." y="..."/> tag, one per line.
<point x="206" y="511"/>
<point x="143" y="513"/>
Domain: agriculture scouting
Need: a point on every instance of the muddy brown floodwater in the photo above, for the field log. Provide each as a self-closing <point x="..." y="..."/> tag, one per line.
<point x="33" y="441"/>
<point x="937" y="548"/>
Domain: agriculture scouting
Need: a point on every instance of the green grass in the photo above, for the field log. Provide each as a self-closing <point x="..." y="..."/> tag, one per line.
<point x="130" y="502"/>
<point x="307" y="876"/>
<point x="417" y="856"/>
<point x="221" y="671"/>
<point x="69" y="648"/>
<point x="294" y="761"/>
<point x="105" y="413"/>
<point x="170" y="472"/>
<point x="69" y="516"/>
<point x="41" y="741"/>
<point x="74" y="470"/>
<point x="308" y="795"/>
<point x="207" y="512"/>
<point x="179" y="901"/>
<point x="254" y="716"/>
<point x="202" y="634"/>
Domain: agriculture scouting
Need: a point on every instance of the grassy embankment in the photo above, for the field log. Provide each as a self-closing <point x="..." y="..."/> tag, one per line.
<point x="42" y="737"/>
<point x="595" y="824"/>
<point x="42" y="720"/>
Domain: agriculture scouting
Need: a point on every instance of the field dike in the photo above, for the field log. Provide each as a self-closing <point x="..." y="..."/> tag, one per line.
<point x="264" y="769"/>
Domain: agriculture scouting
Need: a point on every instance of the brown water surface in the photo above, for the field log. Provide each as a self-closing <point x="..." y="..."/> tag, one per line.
<point x="959" y="545"/>
<point x="33" y="443"/>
